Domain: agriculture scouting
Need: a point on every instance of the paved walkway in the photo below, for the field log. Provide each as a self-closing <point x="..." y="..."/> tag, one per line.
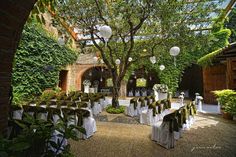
<point x="210" y="136"/>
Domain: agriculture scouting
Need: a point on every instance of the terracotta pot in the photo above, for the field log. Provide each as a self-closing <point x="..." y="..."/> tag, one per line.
<point x="227" y="115"/>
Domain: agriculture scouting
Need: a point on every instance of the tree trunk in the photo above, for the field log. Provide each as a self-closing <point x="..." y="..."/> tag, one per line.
<point x="115" y="94"/>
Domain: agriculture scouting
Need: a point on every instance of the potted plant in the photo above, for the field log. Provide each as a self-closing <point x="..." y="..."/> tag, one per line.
<point x="227" y="100"/>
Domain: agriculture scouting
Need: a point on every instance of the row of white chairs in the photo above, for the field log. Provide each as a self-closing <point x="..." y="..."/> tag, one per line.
<point x="165" y="137"/>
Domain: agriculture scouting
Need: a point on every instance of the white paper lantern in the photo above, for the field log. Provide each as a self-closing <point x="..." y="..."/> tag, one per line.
<point x="76" y="30"/>
<point x="162" y="67"/>
<point x="130" y="59"/>
<point x="61" y="41"/>
<point x="174" y="51"/>
<point x="105" y="31"/>
<point x="102" y="61"/>
<point x="95" y="59"/>
<point x="153" y="59"/>
<point x="117" y="61"/>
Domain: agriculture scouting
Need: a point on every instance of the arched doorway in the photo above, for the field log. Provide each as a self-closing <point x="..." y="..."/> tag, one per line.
<point x="98" y="76"/>
<point x="13" y="17"/>
<point x="141" y="82"/>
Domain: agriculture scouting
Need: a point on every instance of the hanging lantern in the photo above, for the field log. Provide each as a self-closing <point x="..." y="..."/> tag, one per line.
<point x="61" y="41"/>
<point x="150" y="78"/>
<point x="102" y="61"/>
<point x="162" y="67"/>
<point x="105" y="31"/>
<point x="95" y="59"/>
<point x="174" y="51"/>
<point x="130" y="59"/>
<point x="117" y="61"/>
<point x="153" y="59"/>
<point x="101" y="79"/>
<point x="76" y="30"/>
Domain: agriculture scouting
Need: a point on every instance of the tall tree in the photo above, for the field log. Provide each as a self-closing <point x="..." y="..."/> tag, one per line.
<point x="138" y="24"/>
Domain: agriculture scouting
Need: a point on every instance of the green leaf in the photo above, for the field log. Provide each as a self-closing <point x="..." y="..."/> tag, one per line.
<point x="19" y="146"/>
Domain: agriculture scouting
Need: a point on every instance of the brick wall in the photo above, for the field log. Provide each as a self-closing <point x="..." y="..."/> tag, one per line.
<point x="13" y="15"/>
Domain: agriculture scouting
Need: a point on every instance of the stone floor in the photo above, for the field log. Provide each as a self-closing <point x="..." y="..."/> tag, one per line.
<point x="210" y="136"/>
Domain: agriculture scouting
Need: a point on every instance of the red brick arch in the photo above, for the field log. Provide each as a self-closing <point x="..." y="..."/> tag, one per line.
<point x="13" y="15"/>
<point x="81" y="70"/>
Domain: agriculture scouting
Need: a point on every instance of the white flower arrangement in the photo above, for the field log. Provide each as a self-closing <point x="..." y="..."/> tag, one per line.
<point x="86" y="83"/>
<point x="160" y="88"/>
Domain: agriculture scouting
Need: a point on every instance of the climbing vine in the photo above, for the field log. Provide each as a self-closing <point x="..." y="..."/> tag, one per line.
<point x="38" y="61"/>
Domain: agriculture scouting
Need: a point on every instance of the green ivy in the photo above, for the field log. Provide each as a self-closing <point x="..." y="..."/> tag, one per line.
<point x="38" y="62"/>
<point x="216" y="47"/>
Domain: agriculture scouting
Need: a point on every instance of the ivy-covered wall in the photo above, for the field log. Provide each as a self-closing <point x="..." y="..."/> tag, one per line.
<point x="38" y="61"/>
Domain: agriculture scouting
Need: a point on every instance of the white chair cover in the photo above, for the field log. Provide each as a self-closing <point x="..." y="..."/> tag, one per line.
<point x="102" y="102"/>
<point x="162" y="135"/>
<point x="56" y="137"/>
<point x="144" y="93"/>
<point x="42" y="116"/>
<point x="90" y="126"/>
<point x="17" y="114"/>
<point x="96" y="109"/>
<point x="130" y="111"/>
<point x="137" y="93"/>
<point x="140" y="109"/>
<point x="55" y="118"/>
<point x="146" y="117"/>
<point x="130" y="93"/>
<point x="179" y="134"/>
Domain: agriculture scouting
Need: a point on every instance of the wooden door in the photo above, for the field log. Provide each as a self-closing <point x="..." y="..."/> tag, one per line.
<point x="63" y="80"/>
<point x="214" y="78"/>
<point x="231" y="73"/>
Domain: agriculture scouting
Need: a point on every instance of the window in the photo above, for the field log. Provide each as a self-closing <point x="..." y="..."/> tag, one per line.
<point x="109" y="82"/>
<point x="141" y="82"/>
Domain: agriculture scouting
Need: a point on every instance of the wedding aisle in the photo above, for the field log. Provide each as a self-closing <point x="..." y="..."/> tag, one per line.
<point x="209" y="136"/>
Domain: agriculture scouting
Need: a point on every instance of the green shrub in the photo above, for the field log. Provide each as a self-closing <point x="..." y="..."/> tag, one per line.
<point x="32" y="137"/>
<point x="120" y="109"/>
<point x="48" y="95"/>
<point x="227" y="100"/>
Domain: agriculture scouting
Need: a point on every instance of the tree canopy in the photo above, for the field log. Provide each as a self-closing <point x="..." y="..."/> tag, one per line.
<point x="154" y="25"/>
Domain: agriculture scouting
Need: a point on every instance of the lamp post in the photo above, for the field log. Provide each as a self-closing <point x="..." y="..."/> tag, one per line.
<point x="174" y="51"/>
